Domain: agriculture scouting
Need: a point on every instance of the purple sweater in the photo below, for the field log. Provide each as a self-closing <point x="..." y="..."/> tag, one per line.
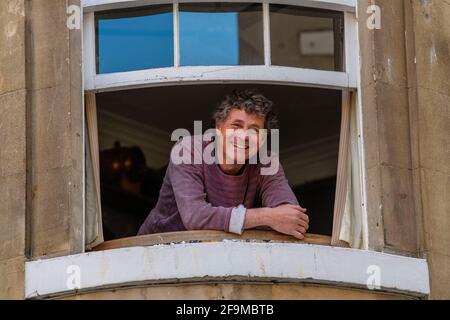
<point x="202" y="197"/>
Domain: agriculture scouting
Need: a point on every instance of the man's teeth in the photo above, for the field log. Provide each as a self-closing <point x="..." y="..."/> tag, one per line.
<point x="240" y="146"/>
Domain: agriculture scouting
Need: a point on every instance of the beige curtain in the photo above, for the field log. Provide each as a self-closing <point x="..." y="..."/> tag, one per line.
<point x="93" y="217"/>
<point x="347" y="220"/>
<point x="351" y="224"/>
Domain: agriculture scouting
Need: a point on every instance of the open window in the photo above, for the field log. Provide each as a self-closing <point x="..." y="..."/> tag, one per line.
<point x="152" y="69"/>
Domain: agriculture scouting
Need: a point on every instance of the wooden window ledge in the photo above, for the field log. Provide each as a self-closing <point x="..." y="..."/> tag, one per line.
<point x="209" y="236"/>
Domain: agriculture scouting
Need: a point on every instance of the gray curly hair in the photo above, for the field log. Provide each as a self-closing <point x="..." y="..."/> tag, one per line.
<point x="251" y="101"/>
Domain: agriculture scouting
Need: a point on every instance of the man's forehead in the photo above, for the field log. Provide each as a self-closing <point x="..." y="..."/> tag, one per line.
<point x="241" y="115"/>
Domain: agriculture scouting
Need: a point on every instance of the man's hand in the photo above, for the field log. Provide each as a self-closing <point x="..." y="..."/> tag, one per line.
<point x="288" y="219"/>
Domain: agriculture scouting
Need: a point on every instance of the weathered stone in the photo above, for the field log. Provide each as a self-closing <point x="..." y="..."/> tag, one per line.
<point x="399" y="216"/>
<point x="393" y="126"/>
<point x="12" y="216"/>
<point x="238" y="291"/>
<point x="434" y="124"/>
<point x="12" y="45"/>
<point x="49" y="44"/>
<point x="436" y="207"/>
<point x="374" y="209"/>
<point x="439" y="265"/>
<point x="12" y="133"/>
<point x="432" y="42"/>
<point x="12" y="278"/>
<point x="51" y="213"/>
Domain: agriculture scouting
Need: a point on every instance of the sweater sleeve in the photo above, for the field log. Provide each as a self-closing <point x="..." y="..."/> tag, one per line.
<point x="275" y="190"/>
<point x="187" y="181"/>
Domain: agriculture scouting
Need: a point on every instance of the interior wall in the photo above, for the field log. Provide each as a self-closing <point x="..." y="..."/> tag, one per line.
<point x="148" y="116"/>
<point x="285" y="41"/>
<point x="144" y="118"/>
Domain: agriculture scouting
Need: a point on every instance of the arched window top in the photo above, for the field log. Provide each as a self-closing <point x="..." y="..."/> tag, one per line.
<point x="137" y="43"/>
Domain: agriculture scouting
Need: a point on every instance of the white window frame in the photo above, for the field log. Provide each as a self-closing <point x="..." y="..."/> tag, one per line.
<point x="266" y="73"/>
<point x="255" y="262"/>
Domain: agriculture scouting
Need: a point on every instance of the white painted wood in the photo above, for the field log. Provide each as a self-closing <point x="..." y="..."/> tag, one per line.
<point x="97" y="5"/>
<point x="89" y="50"/>
<point x="218" y="74"/>
<point x="266" y="30"/>
<point x="228" y="259"/>
<point x="176" y="31"/>
<point x="351" y="48"/>
<point x="361" y="141"/>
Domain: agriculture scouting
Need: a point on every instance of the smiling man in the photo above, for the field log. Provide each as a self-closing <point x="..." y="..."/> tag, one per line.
<point x="231" y="194"/>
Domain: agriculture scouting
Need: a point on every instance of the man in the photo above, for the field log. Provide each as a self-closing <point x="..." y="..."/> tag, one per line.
<point x="230" y="195"/>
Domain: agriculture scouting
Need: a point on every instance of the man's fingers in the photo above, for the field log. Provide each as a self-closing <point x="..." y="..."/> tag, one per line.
<point x="297" y="208"/>
<point x="301" y="229"/>
<point x="302" y="223"/>
<point x="303" y="217"/>
<point x="298" y="235"/>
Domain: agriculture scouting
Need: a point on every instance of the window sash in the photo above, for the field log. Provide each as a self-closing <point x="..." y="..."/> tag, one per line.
<point x="338" y="5"/>
<point x="261" y="73"/>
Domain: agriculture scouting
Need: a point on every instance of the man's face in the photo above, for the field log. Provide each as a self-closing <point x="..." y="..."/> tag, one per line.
<point x="240" y="135"/>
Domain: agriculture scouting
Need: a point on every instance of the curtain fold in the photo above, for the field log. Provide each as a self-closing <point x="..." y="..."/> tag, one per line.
<point x="351" y="225"/>
<point x="93" y="216"/>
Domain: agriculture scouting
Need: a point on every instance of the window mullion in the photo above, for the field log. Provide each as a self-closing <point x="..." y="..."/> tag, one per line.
<point x="266" y="30"/>
<point x="89" y="48"/>
<point x="176" y="31"/>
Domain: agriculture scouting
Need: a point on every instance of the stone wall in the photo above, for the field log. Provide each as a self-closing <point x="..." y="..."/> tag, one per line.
<point x="41" y="130"/>
<point x="405" y="94"/>
<point x="13" y="96"/>
<point x="432" y="136"/>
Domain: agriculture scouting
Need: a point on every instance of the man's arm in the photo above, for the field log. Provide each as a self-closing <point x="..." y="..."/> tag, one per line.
<point x="196" y="213"/>
<point x="288" y="219"/>
<point x="280" y="209"/>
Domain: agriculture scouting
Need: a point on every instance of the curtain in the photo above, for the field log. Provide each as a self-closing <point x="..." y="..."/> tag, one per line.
<point x="93" y="216"/>
<point x="348" y="213"/>
<point x="352" y="217"/>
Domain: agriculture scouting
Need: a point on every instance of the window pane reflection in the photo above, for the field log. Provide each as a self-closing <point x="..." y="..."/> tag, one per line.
<point x="221" y="34"/>
<point x="140" y="38"/>
<point x="306" y="38"/>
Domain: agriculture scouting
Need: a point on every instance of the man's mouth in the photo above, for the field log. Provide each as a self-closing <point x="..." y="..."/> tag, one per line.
<point x="241" y="146"/>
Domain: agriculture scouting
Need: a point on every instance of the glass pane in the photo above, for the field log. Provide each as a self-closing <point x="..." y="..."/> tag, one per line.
<point x="141" y="38"/>
<point x="221" y="34"/>
<point x="306" y="38"/>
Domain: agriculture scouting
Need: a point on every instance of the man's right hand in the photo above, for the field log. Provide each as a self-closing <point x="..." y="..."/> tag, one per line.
<point x="289" y="219"/>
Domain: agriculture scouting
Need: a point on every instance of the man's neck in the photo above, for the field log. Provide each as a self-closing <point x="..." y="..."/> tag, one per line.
<point x="231" y="169"/>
